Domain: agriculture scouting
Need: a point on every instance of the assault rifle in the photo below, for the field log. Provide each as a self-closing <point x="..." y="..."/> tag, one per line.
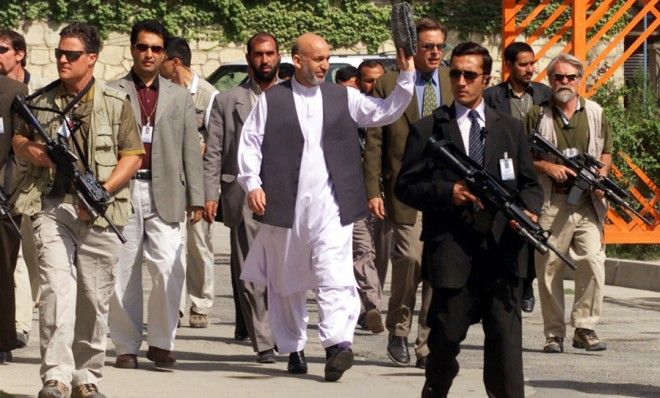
<point x="587" y="178"/>
<point x="4" y="210"/>
<point x="91" y="194"/>
<point x="489" y="188"/>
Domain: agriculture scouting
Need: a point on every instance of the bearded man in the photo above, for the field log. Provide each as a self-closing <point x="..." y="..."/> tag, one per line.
<point x="574" y="125"/>
<point x="299" y="162"/>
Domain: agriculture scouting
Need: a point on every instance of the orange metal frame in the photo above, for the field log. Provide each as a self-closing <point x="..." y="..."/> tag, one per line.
<point x="617" y="228"/>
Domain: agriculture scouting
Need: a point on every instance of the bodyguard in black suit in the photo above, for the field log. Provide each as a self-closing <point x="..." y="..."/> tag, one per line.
<point x="516" y="96"/>
<point x="475" y="267"/>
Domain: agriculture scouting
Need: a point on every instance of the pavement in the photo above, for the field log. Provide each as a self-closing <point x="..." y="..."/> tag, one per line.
<point x="212" y="364"/>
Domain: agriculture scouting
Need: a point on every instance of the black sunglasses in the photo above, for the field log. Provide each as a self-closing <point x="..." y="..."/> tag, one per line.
<point x="4" y="49"/>
<point x="560" y="78"/>
<point x="141" y="47"/>
<point x="70" y="55"/>
<point x="469" y="75"/>
<point x="431" y="46"/>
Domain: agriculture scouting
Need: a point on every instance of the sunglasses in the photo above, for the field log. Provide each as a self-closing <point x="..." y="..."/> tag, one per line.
<point x="469" y="75"/>
<point x="431" y="46"/>
<point x="4" y="49"/>
<point x="141" y="47"/>
<point x="70" y="55"/>
<point x="560" y="78"/>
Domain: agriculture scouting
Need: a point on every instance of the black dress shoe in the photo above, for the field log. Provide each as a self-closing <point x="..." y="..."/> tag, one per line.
<point x="338" y="360"/>
<point x="397" y="350"/>
<point x="266" y="356"/>
<point x="297" y="364"/>
<point x="241" y="335"/>
<point x="421" y="362"/>
<point x="527" y="303"/>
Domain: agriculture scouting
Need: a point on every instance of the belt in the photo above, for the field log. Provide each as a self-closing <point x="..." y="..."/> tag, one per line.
<point x="143" y="175"/>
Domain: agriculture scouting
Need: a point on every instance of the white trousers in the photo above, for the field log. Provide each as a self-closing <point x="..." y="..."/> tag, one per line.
<point x="158" y="245"/>
<point x="339" y="308"/>
<point x="199" y="263"/>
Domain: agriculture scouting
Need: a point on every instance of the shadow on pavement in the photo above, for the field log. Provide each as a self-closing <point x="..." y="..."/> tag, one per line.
<point x="628" y="390"/>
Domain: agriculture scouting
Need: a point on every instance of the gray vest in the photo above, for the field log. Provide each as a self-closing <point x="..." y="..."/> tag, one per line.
<point x="282" y="149"/>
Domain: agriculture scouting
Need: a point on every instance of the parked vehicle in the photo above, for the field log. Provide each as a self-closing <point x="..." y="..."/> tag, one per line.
<point x="234" y="73"/>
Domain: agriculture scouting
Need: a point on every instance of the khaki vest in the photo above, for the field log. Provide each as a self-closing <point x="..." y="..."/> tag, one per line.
<point x="595" y="149"/>
<point x="102" y="146"/>
<point x="201" y="99"/>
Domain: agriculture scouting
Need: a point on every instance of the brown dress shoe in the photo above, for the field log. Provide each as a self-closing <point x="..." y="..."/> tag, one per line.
<point x="86" y="391"/>
<point x="54" y="389"/>
<point x="161" y="358"/>
<point x="126" y="361"/>
<point x="373" y="321"/>
<point x="587" y="339"/>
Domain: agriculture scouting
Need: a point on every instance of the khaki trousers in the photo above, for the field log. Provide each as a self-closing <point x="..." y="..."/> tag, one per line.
<point x="76" y="269"/>
<point x="364" y="268"/>
<point x="406" y="277"/>
<point x="577" y="232"/>
<point x="382" y="234"/>
<point x="26" y="278"/>
<point x="199" y="265"/>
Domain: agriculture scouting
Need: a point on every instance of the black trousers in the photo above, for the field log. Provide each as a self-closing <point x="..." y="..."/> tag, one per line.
<point x="494" y="299"/>
<point x="9" y="245"/>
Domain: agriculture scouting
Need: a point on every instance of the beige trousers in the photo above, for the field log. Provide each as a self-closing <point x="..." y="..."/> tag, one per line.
<point x="76" y="270"/>
<point x="26" y="278"/>
<point x="364" y="268"/>
<point x="406" y="277"/>
<point x="577" y="232"/>
<point x="199" y="265"/>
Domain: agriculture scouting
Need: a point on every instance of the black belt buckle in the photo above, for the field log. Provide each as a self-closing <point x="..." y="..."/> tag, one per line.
<point x="143" y="175"/>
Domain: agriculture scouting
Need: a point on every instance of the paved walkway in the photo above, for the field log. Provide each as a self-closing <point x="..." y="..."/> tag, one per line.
<point x="212" y="364"/>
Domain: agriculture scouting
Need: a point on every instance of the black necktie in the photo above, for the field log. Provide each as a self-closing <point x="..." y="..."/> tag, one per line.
<point x="476" y="138"/>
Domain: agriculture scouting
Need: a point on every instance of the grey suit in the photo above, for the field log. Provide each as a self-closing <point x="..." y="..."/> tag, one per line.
<point x="154" y="229"/>
<point x="230" y="109"/>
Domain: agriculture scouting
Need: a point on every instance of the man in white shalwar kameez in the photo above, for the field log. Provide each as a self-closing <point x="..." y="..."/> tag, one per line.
<point x="302" y="171"/>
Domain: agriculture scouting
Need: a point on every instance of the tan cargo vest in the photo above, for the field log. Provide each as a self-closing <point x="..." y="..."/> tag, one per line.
<point x="595" y="149"/>
<point x="201" y="98"/>
<point x="101" y="145"/>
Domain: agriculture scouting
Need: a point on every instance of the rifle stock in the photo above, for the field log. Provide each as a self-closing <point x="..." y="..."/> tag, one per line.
<point x="4" y="211"/>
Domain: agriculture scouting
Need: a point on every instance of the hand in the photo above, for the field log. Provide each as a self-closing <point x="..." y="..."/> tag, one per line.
<point x="257" y="201"/>
<point x="83" y="215"/>
<point x="515" y="225"/>
<point x="599" y="193"/>
<point x="210" y="210"/>
<point x="403" y="62"/>
<point x="558" y="172"/>
<point x="462" y="195"/>
<point x="377" y="207"/>
<point x="39" y="156"/>
<point x="194" y="214"/>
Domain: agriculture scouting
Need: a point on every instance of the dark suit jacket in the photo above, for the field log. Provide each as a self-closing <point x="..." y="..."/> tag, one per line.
<point x="427" y="185"/>
<point x="384" y="147"/>
<point x="230" y="109"/>
<point x="498" y="97"/>
<point x="9" y="168"/>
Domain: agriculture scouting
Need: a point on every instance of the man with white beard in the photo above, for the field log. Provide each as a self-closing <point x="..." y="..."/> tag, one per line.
<point x="574" y="125"/>
<point x="299" y="161"/>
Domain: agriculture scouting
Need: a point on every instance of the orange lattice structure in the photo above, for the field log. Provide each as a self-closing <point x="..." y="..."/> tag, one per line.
<point x="584" y="15"/>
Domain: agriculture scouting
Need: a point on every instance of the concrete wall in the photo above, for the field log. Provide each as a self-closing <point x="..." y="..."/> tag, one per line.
<point x="115" y="58"/>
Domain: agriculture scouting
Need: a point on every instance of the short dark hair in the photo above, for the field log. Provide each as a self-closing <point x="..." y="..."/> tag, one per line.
<point x="259" y="37"/>
<point x="151" y="26"/>
<point x="17" y="42"/>
<point x="177" y="47"/>
<point x="369" y="63"/>
<point x="512" y="50"/>
<point x="285" y="70"/>
<point x="84" y="32"/>
<point x="346" y="73"/>
<point x="471" y="48"/>
<point x="425" y="23"/>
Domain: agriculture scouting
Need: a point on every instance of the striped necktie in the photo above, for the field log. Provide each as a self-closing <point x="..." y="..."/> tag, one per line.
<point x="429" y="102"/>
<point x="476" y="138"/>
